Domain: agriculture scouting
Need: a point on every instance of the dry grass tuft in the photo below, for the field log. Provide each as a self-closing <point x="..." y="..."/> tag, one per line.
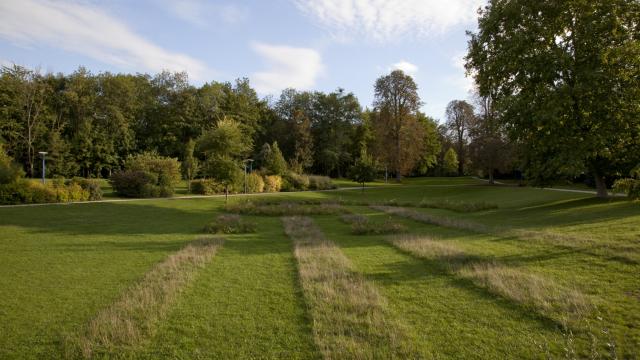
<point x="132" y="318"/>
<point x="430" y="219"/>
<point x="350" y="317"/>
<point x="530" y="290"/>
<point x="361" y="225"/>
<point x="286" y="208"/>
<point x="230" y="224"/>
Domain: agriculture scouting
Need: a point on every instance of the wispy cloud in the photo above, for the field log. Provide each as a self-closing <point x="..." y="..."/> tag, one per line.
<point x="388" y="20"/>
<point x="287" y="67"/>
<point x="90" y="31"/>
<point x="202" y="13"/>
<point x="406" y="67"/>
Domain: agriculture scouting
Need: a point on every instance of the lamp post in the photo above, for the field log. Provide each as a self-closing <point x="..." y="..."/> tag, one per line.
<point x="43" y="153"/>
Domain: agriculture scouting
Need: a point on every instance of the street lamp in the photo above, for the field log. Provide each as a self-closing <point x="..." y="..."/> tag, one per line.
<point x="43" y="153"/>
<point x="250" y="161"/>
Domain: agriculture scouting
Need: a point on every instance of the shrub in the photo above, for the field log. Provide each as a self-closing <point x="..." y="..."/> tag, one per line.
<point x="91" y="186"/>
<point x="30" y="192"/>
<point x="206" y="187"/>
<point x="295" y="182"/>
<point x="272" y="183"/>
<point x="9" y="171"/>
<point x="165" y="172"/>
<point x="317" y="182"/>
<point x="255" y="183"/>
<point x="230" y="224"/>
<point x="630" y="187"/>
<point x="135" y="183"/>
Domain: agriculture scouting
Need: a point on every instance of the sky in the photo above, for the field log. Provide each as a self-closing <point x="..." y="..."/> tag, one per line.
<point x="305" y="44"/>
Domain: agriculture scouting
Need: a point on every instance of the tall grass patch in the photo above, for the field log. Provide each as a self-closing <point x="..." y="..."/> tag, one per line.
<point x="361" y="225"/>
<point x="351" y="319"/>
<point x="565" y="305"/>
<point x="230" y="224"/>
<point x="285" y="208"/>
<point x="133" y="317"/>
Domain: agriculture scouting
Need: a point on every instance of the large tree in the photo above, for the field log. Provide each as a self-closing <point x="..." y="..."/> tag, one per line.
<point x="565" y="77"/>
<point x="459" y="116"/>
<point x="397" y="102"/>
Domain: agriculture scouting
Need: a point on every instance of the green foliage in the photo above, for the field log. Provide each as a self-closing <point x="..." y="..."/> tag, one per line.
<point x="272" y="183"/>
<point x="91" y="186"/>
<point x="364" y="170"/>
<point x="135" y="183"/>
<point x="167" y="170"/>
<point x="31" y="192"/>
<point x="9" y="171"/>
<point x="564" y="78"/>
<point x="450" y="164"/>
<point x="255" y="183"/>
<point x="190" y="164"/>
<point x="318" y="182"/>
<point x="206" y="187"/>
<point x="273" y="163"/>
<point x="295" y="182"/>
<point x="628" y="186"/>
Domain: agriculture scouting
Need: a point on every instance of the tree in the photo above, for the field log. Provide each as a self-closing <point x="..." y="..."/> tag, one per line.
<point x="364" y="170"/>
<point x="459" y="116"/>
<point x="489" y="147"/>
<point x="224" y="147"/>
<point x="397" y="102"/>
<point x="432" y="145"/>
<point x="565" y="78"/>
<point x="450" y="163"/>
<point x="190" y="164"/>
<point x="273" y="162"/>
<point x="303" y="143"/>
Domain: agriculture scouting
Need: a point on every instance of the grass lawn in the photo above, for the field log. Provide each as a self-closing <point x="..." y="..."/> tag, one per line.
<point x="490" y="284"/>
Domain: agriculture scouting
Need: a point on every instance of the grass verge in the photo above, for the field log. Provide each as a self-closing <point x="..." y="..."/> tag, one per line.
<point x="350" y="317"/>
<point x="131" y="319"/>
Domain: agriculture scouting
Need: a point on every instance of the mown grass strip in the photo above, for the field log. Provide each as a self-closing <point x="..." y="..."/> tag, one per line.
<point x="566" y="306"/>
<point x="132" y="318"/>
<point x="446" y="204"/>
<point x="584" y="244"/>
<point x="350" y="317"/>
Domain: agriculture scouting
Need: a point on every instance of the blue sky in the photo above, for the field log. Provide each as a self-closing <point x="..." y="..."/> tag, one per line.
<point x="305" y="44"/>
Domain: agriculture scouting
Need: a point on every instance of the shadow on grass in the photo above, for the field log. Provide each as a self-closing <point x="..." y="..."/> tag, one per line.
<point x="125" y="218"/>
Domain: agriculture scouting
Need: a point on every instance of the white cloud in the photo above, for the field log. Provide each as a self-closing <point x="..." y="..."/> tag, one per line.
<point x="202" y="13"/>
<point x="287" y="67"/>
<point x="90" y="31"/>
<point x="407" y="67"/>
<point x="388" y="20"/>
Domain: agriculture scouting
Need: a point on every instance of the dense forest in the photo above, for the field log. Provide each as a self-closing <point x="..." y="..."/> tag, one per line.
<point x="90" y="123"/>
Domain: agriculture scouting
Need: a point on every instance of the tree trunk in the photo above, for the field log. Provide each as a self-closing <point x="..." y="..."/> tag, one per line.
<point x="601" y="186"/>
<point x="491" y="177"/>
<point x="226" y="194"/>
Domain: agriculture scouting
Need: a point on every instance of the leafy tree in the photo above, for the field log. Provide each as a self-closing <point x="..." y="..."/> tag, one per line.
<point x="190" y="164"/>
<point x="459" y="116"/>
<point x="397" y="102"/>
<point x="273" y="162"/>
<point x="565" y="79"/>
<point x="364" y="170"/>
<point x="224" y="147"/>
<point x="450" y="163"/>
<point x="303" y="143"/>
<point x="489" y="147"/>
<point x="9" y="171"/>
<point x="432" y="144"/>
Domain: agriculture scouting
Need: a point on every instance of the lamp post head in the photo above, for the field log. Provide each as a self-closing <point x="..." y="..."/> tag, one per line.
<point x="43" y="153"/>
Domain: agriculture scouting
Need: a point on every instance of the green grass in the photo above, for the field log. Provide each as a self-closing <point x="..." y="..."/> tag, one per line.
<point x="60" y="265"/>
